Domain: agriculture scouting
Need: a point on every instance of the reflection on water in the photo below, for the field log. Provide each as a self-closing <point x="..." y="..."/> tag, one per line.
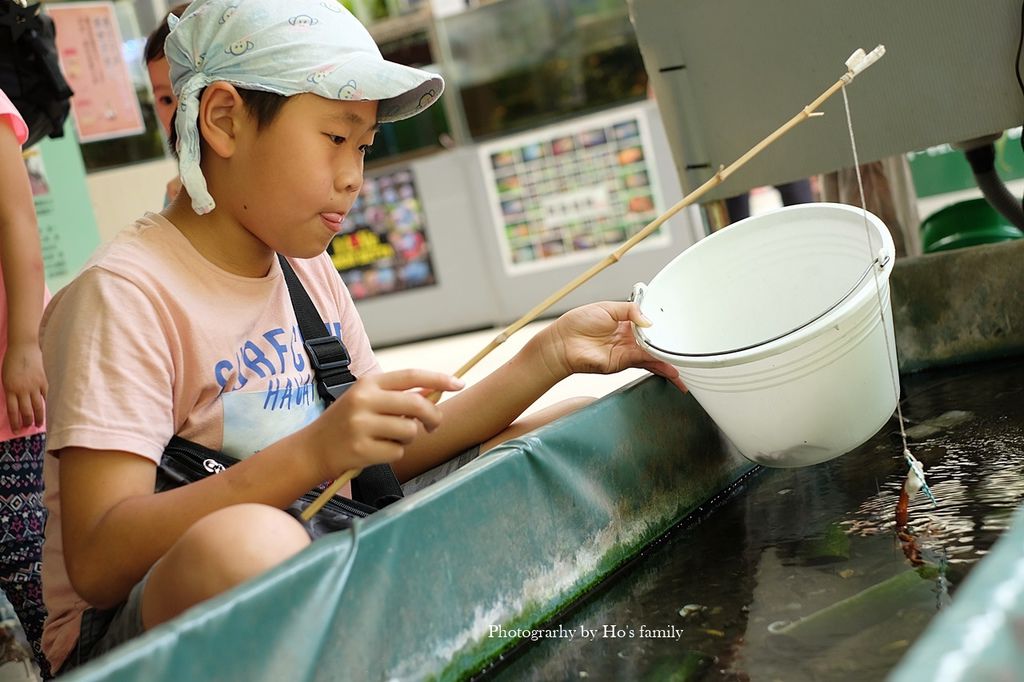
<point x="799" y="576"/>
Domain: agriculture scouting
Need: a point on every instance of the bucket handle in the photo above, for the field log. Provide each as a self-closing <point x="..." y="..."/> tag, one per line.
<point x="639" y="289"/>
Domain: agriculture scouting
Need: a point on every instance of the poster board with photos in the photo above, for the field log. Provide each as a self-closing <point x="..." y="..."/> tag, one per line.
<point x="572" y="192"/>
<point x="383" y="246"/>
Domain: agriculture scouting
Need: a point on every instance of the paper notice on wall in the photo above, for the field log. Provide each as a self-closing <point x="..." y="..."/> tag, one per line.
<point x="67" y="225"/>
<point x="105" y="105"/>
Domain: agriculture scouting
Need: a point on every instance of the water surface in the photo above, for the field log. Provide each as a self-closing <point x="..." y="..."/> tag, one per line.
<point x="799" y="575"/>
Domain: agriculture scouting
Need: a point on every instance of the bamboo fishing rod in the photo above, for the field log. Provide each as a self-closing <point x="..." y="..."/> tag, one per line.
<point x="857" y="62"/>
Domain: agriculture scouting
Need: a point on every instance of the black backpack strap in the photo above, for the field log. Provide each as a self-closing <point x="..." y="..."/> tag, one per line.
<point x="327" y="353"/>
<point x="377" y="484"/>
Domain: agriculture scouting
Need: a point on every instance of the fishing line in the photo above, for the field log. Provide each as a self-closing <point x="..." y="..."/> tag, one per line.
<point x="916" y="468"/>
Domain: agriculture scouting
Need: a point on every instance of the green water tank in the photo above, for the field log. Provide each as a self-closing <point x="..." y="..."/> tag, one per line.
<point x="966" y="223"/>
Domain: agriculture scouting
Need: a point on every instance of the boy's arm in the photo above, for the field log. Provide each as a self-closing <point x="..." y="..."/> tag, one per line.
<point x="23" y="376"/>
<point x="482" y="410"/>
<point x="115" y="528"/>
<point x="592" y="339"/>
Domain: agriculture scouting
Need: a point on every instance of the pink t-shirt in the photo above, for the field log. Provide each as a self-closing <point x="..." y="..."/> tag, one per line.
<point x="153" y="340"/>
<point x="10" y="116"/>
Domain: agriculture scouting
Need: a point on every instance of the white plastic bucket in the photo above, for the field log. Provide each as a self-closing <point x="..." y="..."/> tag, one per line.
<point x="775" y="326"/>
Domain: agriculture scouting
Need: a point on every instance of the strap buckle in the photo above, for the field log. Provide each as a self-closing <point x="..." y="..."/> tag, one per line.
<point x="331" y="360"/>
<point x="327" y="353"/>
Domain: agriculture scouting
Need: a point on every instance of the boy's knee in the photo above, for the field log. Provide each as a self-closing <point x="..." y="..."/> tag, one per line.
<point x="244" y="540"/>
<point x="216" y="553"/>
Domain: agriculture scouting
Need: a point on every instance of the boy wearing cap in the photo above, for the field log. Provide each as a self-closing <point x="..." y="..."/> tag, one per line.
<point x="183" y="325"/>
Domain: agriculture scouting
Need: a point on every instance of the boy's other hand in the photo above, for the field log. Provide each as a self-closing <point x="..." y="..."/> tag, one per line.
<point x="25" y="385"/>
<point x="375" y="419"/>
<point x="598" y="339"/>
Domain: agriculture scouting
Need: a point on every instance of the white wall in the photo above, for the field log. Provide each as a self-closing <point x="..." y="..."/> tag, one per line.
<point x="121" y="195"/>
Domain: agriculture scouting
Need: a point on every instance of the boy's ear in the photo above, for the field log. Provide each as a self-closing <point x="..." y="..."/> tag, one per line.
<point x="221" y="115"/>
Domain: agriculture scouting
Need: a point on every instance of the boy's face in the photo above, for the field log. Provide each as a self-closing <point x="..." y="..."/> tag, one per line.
<point x="165" y="101"/>
<point x="293" y="182"/>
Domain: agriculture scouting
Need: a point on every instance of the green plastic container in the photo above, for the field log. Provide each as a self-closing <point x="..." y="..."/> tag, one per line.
<point x="967" y="223"/>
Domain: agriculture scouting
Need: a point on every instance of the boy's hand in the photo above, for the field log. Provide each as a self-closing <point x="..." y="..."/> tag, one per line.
<point x="597" y="339"/>
<point x="25" y="385"/>
<point x="375" y="419"/>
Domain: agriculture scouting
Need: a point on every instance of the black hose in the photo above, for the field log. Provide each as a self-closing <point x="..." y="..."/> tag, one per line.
<point x="983" y="165"/>
<point x="1016" y="68"/>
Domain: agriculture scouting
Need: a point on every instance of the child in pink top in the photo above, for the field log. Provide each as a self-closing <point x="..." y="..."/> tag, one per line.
<point x="22" y="383"/>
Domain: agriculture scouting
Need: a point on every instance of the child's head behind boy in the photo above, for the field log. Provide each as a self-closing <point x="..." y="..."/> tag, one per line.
<point x="277" y="103"/>
<point x="159" y="71"/>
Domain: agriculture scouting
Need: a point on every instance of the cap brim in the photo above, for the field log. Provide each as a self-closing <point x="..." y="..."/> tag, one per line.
<point x="402" y="91"/>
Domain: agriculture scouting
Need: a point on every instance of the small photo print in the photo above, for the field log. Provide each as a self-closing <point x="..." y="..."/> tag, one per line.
<point x="641" y="204"/>
<point x="614" y="235"/>
<point x="552" y="247"/>
<point x="630" y="155"/>
<point x="524" y="254"/>
<point x="593" y="138"/>
<point x="513" y="207"/>
<point x="562" y="145"/>
<point x="626" y="130"/>
<point x="584" y="241"/>
<point x="634" y="180"/>
<point x="503" y="158"/>
<point x="517" y="230"/>
<point x="509" y="184"/>
<point x="532" y="152"/>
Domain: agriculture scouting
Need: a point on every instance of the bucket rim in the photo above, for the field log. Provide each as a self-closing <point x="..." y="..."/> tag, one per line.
<point x="880" y="262"/>
<point x="779" y="343"/>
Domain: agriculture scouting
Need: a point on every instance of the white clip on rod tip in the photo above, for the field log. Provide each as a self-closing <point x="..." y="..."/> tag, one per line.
<point x="860" y="60"/>
<point x="856" y="58"/>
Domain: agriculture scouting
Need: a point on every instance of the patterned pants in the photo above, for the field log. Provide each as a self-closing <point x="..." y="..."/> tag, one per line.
<point x="22" y="517"/>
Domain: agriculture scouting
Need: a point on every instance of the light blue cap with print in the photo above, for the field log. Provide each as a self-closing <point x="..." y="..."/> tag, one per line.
<point x="287" y="47"/>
